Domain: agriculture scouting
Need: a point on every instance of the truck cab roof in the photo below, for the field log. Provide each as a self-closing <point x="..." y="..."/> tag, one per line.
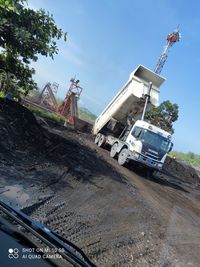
<point x="152" y="128"/>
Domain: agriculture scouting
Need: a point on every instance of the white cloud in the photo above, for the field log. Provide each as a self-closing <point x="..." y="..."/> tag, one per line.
<point x="72" y="57"/>
<point x="92" y="100"/>
<point x="72" y="53"/>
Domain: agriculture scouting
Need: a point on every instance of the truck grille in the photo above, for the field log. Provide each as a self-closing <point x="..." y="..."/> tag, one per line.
<point x="152" y="152"/>
<point x="151" y="155"/>
<point x="148" y="161"/>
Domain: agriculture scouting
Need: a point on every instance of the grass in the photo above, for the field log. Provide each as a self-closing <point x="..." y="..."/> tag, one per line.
<point x="84" y="114"/>
<point x="47" y="115"/>
<point x="190" y="157"/>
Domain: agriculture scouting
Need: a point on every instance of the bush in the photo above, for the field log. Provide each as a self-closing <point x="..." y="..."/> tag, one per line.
<point x="190" y="157"/>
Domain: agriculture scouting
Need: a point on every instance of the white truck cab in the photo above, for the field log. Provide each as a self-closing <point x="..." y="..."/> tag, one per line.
<point x="144" y="143"/>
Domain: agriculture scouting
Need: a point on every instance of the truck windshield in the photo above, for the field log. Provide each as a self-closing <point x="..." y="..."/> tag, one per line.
<point x="155" y="140"/>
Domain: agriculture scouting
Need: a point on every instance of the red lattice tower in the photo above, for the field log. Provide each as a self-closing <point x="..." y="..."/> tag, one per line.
<point x="47" y="96"/>
<point x="172" y="38"/>
<point x="69" y="107"/>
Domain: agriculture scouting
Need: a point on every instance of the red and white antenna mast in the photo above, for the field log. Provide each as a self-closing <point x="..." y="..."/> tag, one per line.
<point x="172" y="38"/>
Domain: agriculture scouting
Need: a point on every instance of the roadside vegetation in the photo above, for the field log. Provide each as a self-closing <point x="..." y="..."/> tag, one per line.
<point x="84" y="114"/>
<point x="164" y="115"/>
<point x="46" y="115"/>
<point x="189" y="157"/>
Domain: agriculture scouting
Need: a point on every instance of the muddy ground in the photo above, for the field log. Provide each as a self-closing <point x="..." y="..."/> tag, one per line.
<point x="118" y="216"/>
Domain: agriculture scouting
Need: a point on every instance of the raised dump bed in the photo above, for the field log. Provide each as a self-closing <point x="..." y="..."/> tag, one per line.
<point x="129" y="102"/>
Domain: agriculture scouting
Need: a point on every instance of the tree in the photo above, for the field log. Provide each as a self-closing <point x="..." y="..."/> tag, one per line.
<point x="25" y="34"/>
<point x="164" y="115"/>
<point x="191" y="155"/>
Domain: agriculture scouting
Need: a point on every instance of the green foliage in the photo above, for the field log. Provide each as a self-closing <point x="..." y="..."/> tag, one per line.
<point x="86" y="115"/>
<point x="163" y="116"/>
<point x="47" y="115"/>
<point x="2" y="95"/>
<point x="24" y="34"/>
<point x="189" y="157"/>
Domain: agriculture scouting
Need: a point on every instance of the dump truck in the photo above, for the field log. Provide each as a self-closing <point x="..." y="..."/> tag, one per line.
<point x="121" y="124"/>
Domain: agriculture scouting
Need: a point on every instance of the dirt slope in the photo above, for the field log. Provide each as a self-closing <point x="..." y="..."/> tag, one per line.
<point x="118" y="216"/>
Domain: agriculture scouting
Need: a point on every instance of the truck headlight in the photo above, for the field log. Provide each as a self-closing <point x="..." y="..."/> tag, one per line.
<point x="159" y="165"/>
<point x="135" y="154"/>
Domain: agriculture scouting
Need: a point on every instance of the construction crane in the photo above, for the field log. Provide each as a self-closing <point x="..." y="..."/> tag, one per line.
<point x="172" y="38"/>
<point x="69" y="107"/>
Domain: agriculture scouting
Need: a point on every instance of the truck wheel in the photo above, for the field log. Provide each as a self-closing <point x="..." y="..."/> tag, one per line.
<point x="102" y="140"/>
<point x="150" y="173"/>
<point x="113" y="150"/>
<point x="123" y="156"/>
<point x="96" y="140"/>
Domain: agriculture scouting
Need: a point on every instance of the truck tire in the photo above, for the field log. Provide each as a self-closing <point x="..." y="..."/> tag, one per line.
<point x="123" y="156"/>
<point x="113" y="150"/>
<point x="102" y="140"/>
<point x="150" y="173"/>
<point x="96" y="140"/>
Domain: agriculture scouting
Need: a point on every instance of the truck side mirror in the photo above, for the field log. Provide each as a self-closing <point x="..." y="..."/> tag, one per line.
<point x="170" y="148"/>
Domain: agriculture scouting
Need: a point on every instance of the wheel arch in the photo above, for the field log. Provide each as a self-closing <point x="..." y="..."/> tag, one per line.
<point x="121" y="146"/>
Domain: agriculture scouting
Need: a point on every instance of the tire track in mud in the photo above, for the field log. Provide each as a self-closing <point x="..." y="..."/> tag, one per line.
<point x="161" y="200"/>
<point x="87" y="231"/>
<point x="70" y="212"/>
<point x="73" y="221"/>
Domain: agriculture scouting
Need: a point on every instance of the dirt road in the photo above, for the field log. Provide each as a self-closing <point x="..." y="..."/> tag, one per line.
<point x="118" y="216"/>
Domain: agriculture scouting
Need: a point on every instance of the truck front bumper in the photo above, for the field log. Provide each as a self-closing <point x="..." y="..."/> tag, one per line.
<point x="144" y="160"/>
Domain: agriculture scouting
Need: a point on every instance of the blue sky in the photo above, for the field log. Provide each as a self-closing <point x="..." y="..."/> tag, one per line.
<point x="107" y="39"/>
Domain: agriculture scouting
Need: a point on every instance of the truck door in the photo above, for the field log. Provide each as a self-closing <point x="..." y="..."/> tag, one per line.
<point x="133" y="137"/>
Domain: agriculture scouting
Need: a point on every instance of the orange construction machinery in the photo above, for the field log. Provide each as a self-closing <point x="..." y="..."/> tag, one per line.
<point x="68" y="108"/>
<point x="47" y="96"/>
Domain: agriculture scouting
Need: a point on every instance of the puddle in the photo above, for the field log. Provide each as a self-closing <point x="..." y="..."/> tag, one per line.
<point x="14" y="194"/>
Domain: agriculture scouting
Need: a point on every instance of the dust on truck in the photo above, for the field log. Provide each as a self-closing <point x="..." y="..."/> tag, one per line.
<point x="121" y="125"/>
